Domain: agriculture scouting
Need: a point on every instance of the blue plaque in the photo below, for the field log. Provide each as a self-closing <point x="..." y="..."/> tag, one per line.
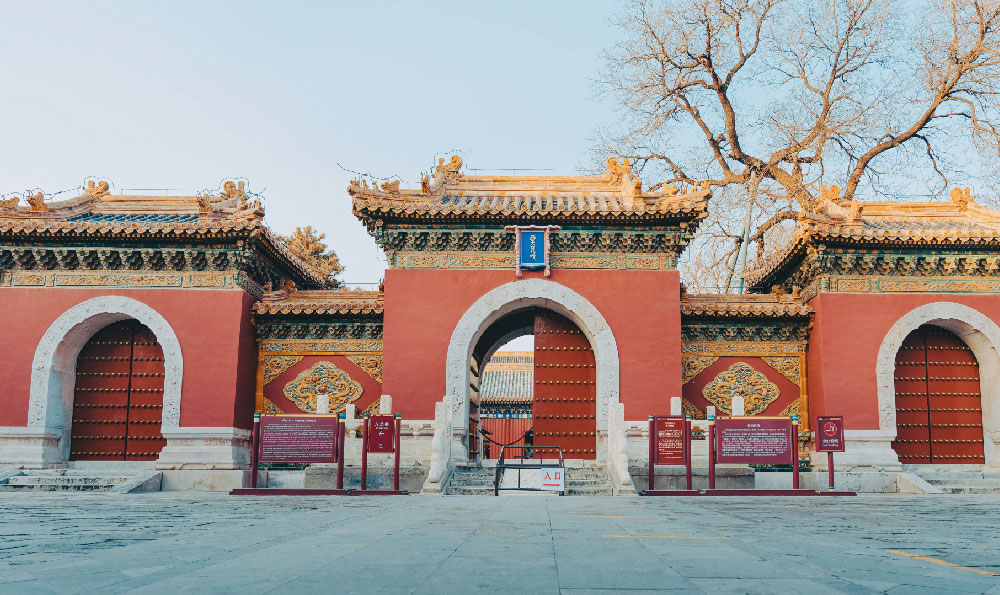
<point x="532" y="249"/>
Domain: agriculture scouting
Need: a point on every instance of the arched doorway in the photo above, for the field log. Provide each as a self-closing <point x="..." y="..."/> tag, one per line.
<point x="563" y="392"/>
<point x="118" y="395"/>
<point x="939" y="415"/>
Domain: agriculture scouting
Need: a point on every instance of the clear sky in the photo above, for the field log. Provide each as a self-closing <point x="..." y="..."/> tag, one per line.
<point x="182" y="95"/>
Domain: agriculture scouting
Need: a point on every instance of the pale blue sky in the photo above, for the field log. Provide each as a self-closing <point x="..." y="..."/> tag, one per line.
<point x="182" y="95"/>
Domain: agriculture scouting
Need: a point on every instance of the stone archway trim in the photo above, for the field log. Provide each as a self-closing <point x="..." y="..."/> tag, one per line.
<point x="979" y="332"/>
<point x="515" y="295"/>
<point x="53" y="376"/>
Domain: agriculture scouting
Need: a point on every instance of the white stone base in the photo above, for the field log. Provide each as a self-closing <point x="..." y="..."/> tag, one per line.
<point x="867" y="450"/>
<point x="870" y="482"/>
<point x="204" y="480"/>
<point x="205" y="448"/>
<point x="30" y="448"/>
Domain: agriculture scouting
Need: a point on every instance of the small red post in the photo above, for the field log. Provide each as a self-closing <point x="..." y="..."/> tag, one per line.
<point x="711" y="452"/>
<point x="795" y="452"/>
<point x="687" y="449"/>
<point x="255" y="450"/>
<point x="652" y="453"/>
<point x="829" y="464"/>
<point x="396" y="448"/>
<point x="341" y="439"/>
<point x="364" y="454"/>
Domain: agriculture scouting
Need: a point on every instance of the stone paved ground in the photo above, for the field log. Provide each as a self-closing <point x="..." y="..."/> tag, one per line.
<point x="206" y="543"/>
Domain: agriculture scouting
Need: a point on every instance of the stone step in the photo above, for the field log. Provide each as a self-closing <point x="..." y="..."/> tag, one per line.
<point x="469" y="490"/>
<point x="969" y="489"/>
<point x="64" y="480"/>
<point x="980" y="483"/>
<point x="53" y="486"/>
<point x="960" y="475"/>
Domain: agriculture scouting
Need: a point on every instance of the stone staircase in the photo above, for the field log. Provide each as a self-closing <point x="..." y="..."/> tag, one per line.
<point x="961" y="482"/>
<point x="478" y="481"/>
<point x="79" y="480"/>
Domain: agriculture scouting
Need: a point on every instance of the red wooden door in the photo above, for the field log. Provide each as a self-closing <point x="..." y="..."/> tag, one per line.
<point x="118" y="398"/>
<point x="939" y="415"/>
<point x="565" y="396"/>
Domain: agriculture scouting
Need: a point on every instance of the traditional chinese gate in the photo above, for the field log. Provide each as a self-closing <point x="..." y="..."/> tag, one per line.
<point x="118" y="398"/>
<point x="939" y="415"/>
<point x="565" y="402"/>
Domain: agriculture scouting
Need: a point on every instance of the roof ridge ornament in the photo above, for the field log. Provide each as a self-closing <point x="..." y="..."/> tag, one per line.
<point x="448" y="173"/>
<point x="10" y="204"/>
<point x="37" y="202"/>
<point x="617" y="173"/>
<point x="962" y="199"/>
<point x="97" y="190"/>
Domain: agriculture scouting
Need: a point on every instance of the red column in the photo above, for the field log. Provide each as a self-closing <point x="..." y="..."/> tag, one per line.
<point x="255" y="453"/>
<point x="711" y="452"/>
<point x="795" y="452"/>
<point x="652" y="454"/>
<point x="341" y="439"/>
<point x="364" y="454"/>
<point x="396" y="448"/>
<point x="688" y="448"/>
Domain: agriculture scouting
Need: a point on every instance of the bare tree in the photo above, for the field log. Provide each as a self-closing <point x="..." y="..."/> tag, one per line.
<point x="772" y="100"/>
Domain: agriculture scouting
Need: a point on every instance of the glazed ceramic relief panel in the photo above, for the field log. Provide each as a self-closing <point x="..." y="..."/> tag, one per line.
<point x="290" y="383"/>
<point x="771" y="385"/>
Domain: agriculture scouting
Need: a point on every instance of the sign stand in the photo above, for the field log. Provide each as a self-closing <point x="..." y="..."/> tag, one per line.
<point x="295" y="438"/>
<point x="830" y="439"/>
<point x="380" y="433"/>
<point x="665" y="434"/>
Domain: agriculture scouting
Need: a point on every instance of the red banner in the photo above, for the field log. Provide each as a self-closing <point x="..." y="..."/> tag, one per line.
<point x="670" y="441"/>
<point x="381" y="431"/>
<point x="830" y="434"/>
<point x="754" y="440"/>
<point x="298" y="438"/>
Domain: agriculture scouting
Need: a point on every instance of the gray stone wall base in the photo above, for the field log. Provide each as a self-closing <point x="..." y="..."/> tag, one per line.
<point x="411" y="477"/>
<point x="674" y="478"/>
<point x="204" y="480"/>
<point x="873" y="482"/>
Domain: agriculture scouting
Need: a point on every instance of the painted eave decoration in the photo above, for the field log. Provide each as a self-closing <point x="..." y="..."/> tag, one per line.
<point x="318" y="302"/>
<point x="616" y="195"/>
<point x="98" y="214"/>
<point x="960" y="222"/>
<point x="744" y="306"/>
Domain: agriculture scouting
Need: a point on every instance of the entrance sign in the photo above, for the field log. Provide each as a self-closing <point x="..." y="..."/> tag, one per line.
<point x="531" y="247"/>
<point x="830" y="434"/>
<point x="381" y="433"/>
<point x="552" y="479"/>
<point x="743" y="440"/>
<point x="298" y="438"/>
<point x="670" y="441"/>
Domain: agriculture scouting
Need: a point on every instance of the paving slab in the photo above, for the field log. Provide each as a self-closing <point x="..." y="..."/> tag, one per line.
<point x="215" y="543"/>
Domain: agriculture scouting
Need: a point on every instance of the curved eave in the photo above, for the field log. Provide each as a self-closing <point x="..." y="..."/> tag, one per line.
<point x="317" y="310"/>
<point x="763" y="279"/>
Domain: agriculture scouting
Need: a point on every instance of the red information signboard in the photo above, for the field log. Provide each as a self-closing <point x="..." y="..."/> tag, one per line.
<point x="830" y="434"/>
<point x="754" y="440"/>
<point x="381" y="431"/>
<point x="670" y="441"/>
<point x="298" y="438"/>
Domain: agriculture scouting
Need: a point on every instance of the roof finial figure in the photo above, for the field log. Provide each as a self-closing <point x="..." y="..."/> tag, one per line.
<point x="9" y="204"/>
<point x="449" y="171"/>
<point x="37" y="202"/>
<point x="616" y="172"/>
<point x="97" y="189"/>
<point x="962" y="199"/>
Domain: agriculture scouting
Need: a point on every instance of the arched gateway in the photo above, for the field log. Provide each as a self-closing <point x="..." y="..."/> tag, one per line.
<point x="517" y="301"/>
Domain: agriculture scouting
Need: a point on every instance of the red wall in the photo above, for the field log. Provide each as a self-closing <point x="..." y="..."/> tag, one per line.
<point x="423" y="307"/>
<point x="844" y="343"/>
<point x="213" y="327"/>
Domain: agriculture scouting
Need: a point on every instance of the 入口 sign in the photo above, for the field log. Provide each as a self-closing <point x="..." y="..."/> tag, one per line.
<point x="553" y="479"/>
